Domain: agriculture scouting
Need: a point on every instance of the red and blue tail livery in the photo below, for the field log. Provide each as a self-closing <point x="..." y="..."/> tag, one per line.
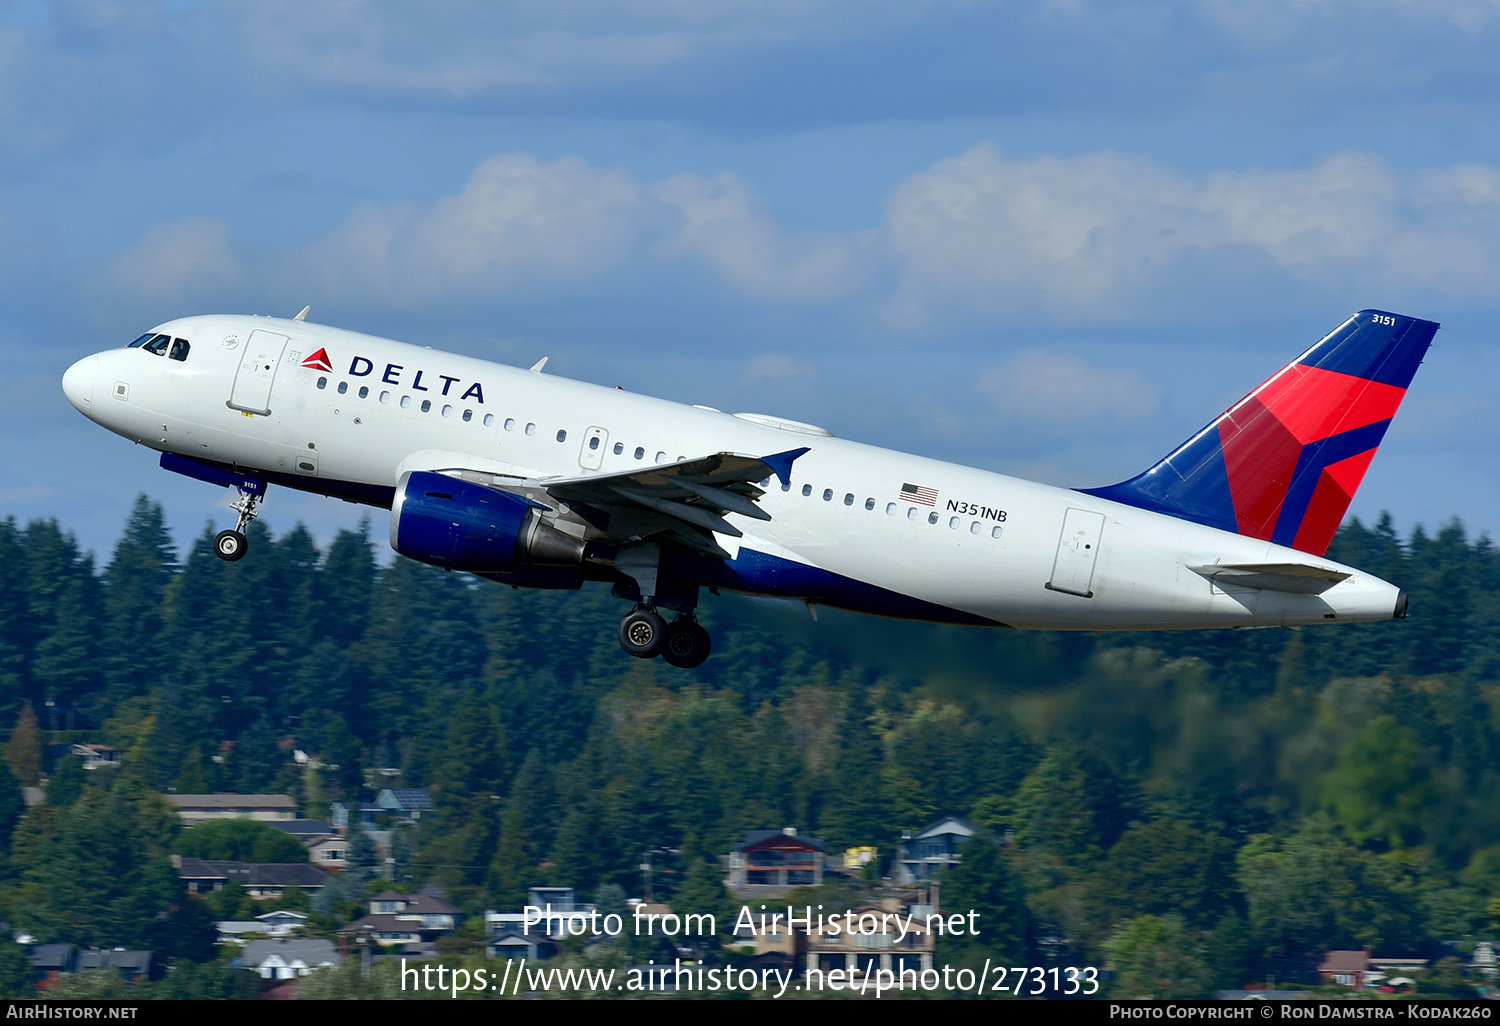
<point x="1283" y="463"/>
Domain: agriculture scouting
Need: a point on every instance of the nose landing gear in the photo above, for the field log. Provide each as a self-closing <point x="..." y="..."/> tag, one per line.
<point x="232" y="545"/>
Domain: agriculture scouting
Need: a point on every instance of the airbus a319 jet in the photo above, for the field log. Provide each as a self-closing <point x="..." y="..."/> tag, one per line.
<point x="532" y="480"/>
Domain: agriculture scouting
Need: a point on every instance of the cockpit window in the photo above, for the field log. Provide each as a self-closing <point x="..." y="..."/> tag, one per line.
<point x="158" y="345"/>
<point x="147" y="337"/>
<point x="180" y="349"/>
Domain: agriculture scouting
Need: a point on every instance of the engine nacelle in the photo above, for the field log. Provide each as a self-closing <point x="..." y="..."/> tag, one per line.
<point x="459" y="525"/>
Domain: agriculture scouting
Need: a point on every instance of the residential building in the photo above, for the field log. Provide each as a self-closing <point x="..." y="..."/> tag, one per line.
<point x="260" y="879"/>
<point x="1345" y="968"/>
<point x="405" y="919"/>
<point x="199" y="808"/>
<point x="878" y="941"/>
<point x="921" y="857"/>
<point x="287" y="959"/>
<point x="778" y="859"/>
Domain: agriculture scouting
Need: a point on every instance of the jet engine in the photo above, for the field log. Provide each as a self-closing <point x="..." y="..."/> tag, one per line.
<point x="459" y="525"/>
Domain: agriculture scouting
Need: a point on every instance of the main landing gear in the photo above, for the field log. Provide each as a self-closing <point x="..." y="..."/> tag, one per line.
<point x="683" y="642"/>
<point x="232" y="545"/>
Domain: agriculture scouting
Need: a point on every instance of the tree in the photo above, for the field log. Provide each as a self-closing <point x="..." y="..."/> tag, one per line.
<point x="984" y="882"/>
<point x="1382" y="788"/>
<point x="23" y="752"/>
<point x="1155" y="958"/>
<point x="239" y="840"/>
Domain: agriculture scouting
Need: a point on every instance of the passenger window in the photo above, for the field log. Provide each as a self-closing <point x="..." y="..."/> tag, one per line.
<point x="447" y="410"/>
<point x="158" y="345"/>
<point x="426" y="405"/>
<point x="594" y="443"/>
<point x="489" y="420"/>
<point x="890" y="509"/>
<point x="619" y="448"/>
<point x="953" y="523"/>
<point x="562" y="436"/>
<point x="180" y="349"/>
<point x="995" y="533"/>
<point x="806" y="490"/>
<point x="510" y="423"/>
<point x="640" y="453"/>
<point x="911" y="513"/>
<point x="661" y="458"/>
<point x="531" y="429"/>
<point x="405" y="401"/>
<point x="343" y="387"/>
<point x="468" y="416"/>
<point x="870" y="503"/>
<point x="322" y="382"/>
<point x="786" y="487"/>
<point x="932" y="517"/>
<point x="827" y="494"/>
<point x="385" y="397"/>
<point x="849" y="499"/>
<point x="975" y="527"/>
<point x="364" y="391"/>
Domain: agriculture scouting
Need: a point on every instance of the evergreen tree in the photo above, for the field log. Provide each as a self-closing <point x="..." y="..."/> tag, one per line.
<point x="23" y="752"/>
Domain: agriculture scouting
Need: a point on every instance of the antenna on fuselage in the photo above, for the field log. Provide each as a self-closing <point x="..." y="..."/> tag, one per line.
<point x="536" y="368"/>
<point x="303" y="315"/>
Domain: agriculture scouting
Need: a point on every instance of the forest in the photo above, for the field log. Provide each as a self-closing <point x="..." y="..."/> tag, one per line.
<point x="1196" y="810"/>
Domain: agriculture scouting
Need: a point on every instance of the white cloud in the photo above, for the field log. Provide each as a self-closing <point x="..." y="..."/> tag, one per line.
<point x="1056" y="389"/>
<point x="722" y="221"/>
<point x="773" y="366"/>
<point x="1096" y="235"/>
<point x="176" y="259"/>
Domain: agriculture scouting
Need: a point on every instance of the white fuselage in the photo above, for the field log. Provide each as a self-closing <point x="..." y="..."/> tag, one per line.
<point x="988" y="545"/>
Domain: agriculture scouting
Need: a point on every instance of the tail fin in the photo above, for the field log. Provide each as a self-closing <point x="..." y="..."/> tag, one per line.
<point x="1284" y="462"/>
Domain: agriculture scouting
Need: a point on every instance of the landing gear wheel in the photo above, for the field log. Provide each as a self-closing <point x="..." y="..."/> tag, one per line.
<point x="230" y="545"/>
<point x="687" y="644"/>
<point x="642" y="633"/>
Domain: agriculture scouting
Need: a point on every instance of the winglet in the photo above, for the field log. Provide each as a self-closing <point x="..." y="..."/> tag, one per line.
<point x="303" y="315"/>
<point x="781" y="463"/>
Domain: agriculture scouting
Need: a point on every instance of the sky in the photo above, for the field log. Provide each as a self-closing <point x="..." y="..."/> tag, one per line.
<point x="1049" y="239"/>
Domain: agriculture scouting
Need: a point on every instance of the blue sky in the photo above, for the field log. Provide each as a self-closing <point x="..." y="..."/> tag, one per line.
<point x="1046" y="238"/>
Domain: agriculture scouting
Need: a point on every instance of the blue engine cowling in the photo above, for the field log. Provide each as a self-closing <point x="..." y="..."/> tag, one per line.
<point x="459" y="525"/>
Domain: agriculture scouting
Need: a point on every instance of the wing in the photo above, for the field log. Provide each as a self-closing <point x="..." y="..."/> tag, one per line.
<point x="685" y="501"/>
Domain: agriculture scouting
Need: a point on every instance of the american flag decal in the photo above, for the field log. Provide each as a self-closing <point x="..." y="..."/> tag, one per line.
<point x="918" y="494"/>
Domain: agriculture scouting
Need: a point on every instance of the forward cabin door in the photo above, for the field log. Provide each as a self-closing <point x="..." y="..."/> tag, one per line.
<point x="257" y="372"/>
<point x="1077" y="549"/>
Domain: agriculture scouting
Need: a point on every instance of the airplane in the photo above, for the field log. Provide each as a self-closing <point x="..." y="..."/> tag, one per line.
<point x="533" y="480"/>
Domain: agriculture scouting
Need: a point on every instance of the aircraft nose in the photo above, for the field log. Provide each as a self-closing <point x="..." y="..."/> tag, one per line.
<point x="78" y="383"/>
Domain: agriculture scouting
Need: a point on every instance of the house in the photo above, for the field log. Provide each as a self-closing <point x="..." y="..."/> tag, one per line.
<point x="512" y="933"/>
<point x="1483" y="960"/>
<point x="199" y="808"/>
<point x="877" y="941"/>
<point x="775" y="858"/>
<point x="921" y="857"/>
<point x="260" y="879"/>
<point x="287" y="959"/>
<point x="405" y="919"/>
<point x="1345" y="968"/>
<point x="133" y="965"/>
<point x="98" y="756"/>
<point x="407" y="803"/>
<point x="49" y="961"/>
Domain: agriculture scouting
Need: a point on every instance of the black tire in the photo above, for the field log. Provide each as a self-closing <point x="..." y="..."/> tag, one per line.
<point x="642" y="633"/>
<point x="230" y="545"/>
<point x="687" y="644"/>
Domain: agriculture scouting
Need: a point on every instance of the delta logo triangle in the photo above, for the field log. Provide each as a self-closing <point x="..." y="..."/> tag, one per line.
<point x="318" y="361"/>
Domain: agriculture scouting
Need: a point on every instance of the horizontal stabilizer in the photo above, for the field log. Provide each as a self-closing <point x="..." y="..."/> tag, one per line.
<point x="1297" y="578"/>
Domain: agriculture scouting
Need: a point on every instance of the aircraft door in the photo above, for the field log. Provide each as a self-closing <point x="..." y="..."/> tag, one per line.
<point x="592" y="453"/>
<point x="1077" y="549"/>
<point x="257" y="372"/>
